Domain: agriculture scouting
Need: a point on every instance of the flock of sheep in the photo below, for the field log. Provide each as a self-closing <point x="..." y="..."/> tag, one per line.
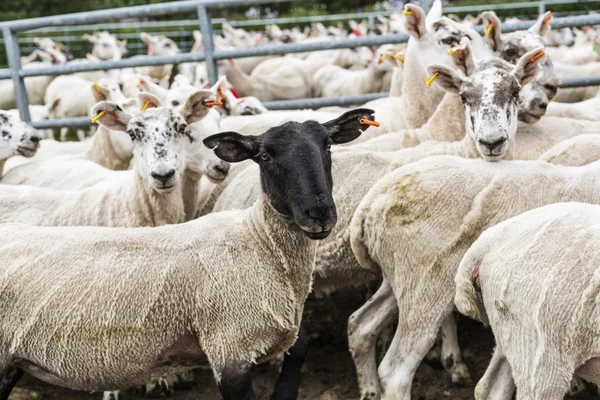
<point x="190" y="228"/>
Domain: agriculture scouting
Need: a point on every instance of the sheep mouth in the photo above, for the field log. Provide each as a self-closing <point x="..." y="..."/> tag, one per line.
<point x="26" y="151"/>
<point x="316" y="235"/>
<point x="216" y="177"/>
<point x="530" y="118"/>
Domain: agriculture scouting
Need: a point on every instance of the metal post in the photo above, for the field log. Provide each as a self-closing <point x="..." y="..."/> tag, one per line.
<point x="542" y="7"/>
<point x="208" y="44"/>
<point x="14" y="62"/>
<point x="372" y="22"/>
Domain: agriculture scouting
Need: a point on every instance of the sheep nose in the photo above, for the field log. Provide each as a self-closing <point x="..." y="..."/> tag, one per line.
<point x="164" y="176"/>
<point x="35" y="139"/>
<point x="222" y="168"/>
<point x="493" y="145"/>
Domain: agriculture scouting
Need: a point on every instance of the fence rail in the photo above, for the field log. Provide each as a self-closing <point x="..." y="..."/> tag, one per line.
<point x="211" y="56"/>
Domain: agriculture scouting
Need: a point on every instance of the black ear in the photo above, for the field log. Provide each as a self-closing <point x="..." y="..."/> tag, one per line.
<point x="348" y="127"/>
<point x="232" y="147"/>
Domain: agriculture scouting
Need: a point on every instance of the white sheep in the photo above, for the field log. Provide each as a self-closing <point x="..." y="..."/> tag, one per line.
<point x="148" y="195"/>
<point x="534" y="279"/>
<point x="107" y="148"/>
<point x="145" y="327"/>
<point x="576" y="151"/>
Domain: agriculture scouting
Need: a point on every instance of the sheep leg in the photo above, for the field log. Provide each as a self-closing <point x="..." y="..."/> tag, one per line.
<point x="415" y="334"/>
<point x="235" y="380"/>
<point x="8" y="381"/>
<point x="541" y="378"/>
<point x="451" y="355"/>
<point x="288" y="382"/>
<point x="364" y="327"/>
<point x="497" y="383"/>
<point x="63" y="134"/>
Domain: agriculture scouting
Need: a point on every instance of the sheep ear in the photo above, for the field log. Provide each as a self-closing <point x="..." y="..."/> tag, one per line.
<point x="542" y="26"/>
<point x="114" y="117"/>
<point x="148" y="100"/>
<point x="232" y="147"/>
<point x="146" y="38"/>
<point x="414" y="21"/>
<point x="348" y="126"/>
<point x="91" y="39"/>
<point x="100" y="93"/>
<point x="448" y="78"/>
<point x="434" y="14"/>
<point x="198" y="105"/>
<point x="53" y="106"/>
<point x="529" y="66"/>
<point x="147" y="85"/>
<point x="493" y="27"/>
<point x="462" y="56"/>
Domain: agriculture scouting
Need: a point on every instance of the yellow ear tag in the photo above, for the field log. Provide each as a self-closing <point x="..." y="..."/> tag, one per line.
<point x="488" y="29"/>
<point x="432" y="78"/>
<point x="454" y="50"/>
<point x="399" y="58"/>
<point x="385" y="57"/>
<point x="97" y="87"/>
<point x="145" y="106"/>
<point x="166" y="78"/>
<point x="140" y="83"/>
<point x="98" y="116"/>
<point x="538" y="55"/>
<point x="406" y="12"/>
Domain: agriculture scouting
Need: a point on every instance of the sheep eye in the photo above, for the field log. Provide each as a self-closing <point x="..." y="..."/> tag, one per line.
<point x="265" y="157"/>
<point x="175" y="103"/>
<point x="449" y="41"/>
<point x="328" y="148"/>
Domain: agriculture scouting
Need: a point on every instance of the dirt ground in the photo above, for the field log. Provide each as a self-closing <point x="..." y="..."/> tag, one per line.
<point x="328" y="373"/>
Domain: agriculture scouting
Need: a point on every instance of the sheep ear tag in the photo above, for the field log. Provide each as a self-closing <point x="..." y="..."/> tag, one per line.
<point x="538" y="55"/>
<point x="95" y="85"/>
<point x="145" y="106"/>
<point x="432" y="78"/>
<point x="210" y="104"/>
<point x="489" y="29"/>
<point x="454" y="50"/>
<point x="364" y="121"/>
<point x="98" y="116"/>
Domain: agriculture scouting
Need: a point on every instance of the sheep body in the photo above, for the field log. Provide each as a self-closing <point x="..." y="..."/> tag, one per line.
<point x="133" y="333"/>
<point x="537" y="275"/>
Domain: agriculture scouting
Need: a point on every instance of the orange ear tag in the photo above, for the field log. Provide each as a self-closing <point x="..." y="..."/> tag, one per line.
<point x="365" y="121"/>
<point x="213" y="103"/>
<point x="538" y="55"/>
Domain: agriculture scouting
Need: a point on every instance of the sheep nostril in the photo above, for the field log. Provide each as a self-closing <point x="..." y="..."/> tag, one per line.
<point x="163" y="177"/>
<point x="35" y="139"/>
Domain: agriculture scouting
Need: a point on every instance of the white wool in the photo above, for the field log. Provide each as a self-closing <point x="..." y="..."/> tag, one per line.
<point x="537" y="282"/>
<point x="577" y="151"/>
<point x="572" y="95"/>
<point x="586" y="110"/>
<point x="35" y="86"/>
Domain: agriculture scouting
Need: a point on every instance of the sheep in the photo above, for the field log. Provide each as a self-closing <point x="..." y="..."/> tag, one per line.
<point x="149" y="194"/>
<point x="158" y="45"/>
<point x="577" y="151"/>
<point x="107" y="148"/>
<point x="534" y="280"/>
<point x="586" y="110"/>
<point x="35" y="86"/>
<point x="429" y="42"/>
<point x="17" y="138"/>
<point x="431" y="198"/>
<point x="573" y="95"/>
<point x="186" y="326"/>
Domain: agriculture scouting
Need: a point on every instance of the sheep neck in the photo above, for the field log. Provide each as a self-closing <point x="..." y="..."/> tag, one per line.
<point x="294" y="251"/>
<point x="151" y="207"/>
<point x="418" y="102"/>
<point x="240" y="81"/>
<point x="190" y="184"/>
<point x="103" y="152"/>
<point x="2" y="162"/>
<point x="448" y="122"/>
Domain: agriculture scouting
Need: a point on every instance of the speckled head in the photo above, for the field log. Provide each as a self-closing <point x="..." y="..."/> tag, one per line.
<point x="295" y="166"/>
<point x="16" y="137"/>
<point x="490" y="95"/>
<point x="535" y="96"/>
<point x="160" y="137"/>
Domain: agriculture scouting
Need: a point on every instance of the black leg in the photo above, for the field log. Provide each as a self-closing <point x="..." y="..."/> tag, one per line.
<point x="288" y="383"/>
<point x="8" y="381"/>
<point x="236" y="381"/>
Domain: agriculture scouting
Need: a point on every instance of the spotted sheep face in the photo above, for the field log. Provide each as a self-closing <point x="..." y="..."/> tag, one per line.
<point x="490" y="95"/>
<point x="435" y="35"/>
<point x="106" y="46"/>
<point x="16" y="137"/>
<point x="159" y="45"/>
<point x="535" y="96"/>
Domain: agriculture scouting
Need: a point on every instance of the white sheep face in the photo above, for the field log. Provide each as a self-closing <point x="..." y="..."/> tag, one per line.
<point x="159" y="136"/>
<point x="106" y="46"/>
<point x="16" y="137"/>
<point x="490" y="98"/>
<point x="159" y="45"/>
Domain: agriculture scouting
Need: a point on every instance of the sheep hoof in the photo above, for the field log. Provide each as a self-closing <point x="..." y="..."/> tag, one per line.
<point x="576" y="387"/>
<point x="460" y="374"/>
<point x="162" y="388"/>
<point x="369" y="394"/>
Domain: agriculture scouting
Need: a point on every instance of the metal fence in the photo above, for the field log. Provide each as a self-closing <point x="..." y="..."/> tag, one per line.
<point x="209" y="54"/>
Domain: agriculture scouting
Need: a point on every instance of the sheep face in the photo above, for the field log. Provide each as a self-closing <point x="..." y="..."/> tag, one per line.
<point x="295" y="166"/>
<point x="159" y="45"/>
<point x="106" y="46"/>
<point x="16" y="137"/>
<point x="490" y="96"/>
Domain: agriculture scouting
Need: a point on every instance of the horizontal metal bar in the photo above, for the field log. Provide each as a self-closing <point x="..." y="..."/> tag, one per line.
<point x="326" y="44"/>
<point x="175" y="7"/>
<point x="580" y="82"/>
<point x="60" y="123"/>
<point x="323" y="102"/>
